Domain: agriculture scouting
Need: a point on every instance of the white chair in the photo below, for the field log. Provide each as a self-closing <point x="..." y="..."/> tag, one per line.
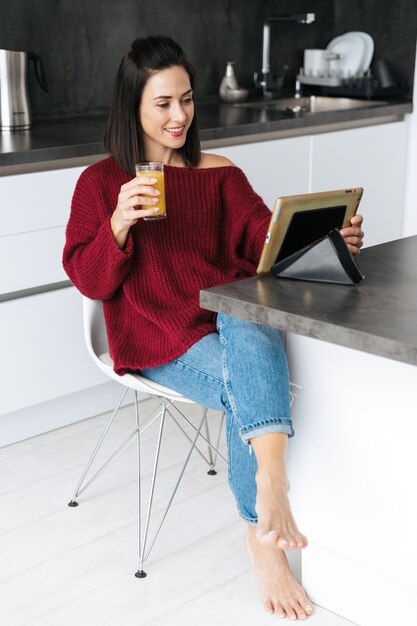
<point x="97" y="344"/>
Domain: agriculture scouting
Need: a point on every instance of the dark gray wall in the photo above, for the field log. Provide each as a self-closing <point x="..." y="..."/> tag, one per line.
<point x="82" y="41"/>
<point x="391" y="23"/>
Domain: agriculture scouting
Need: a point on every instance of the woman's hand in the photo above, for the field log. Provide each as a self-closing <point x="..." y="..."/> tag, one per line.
<point x="137" y="193"/>
<point x="353" y="235"/>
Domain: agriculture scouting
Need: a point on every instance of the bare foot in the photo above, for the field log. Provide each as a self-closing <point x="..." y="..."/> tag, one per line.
<point x="276" y="525"/>
<point x="281" y="593"/>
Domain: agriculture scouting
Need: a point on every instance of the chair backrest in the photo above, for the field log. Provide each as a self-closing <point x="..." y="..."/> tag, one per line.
<point x="94" y="327"/>
<point x="97" y="344"/>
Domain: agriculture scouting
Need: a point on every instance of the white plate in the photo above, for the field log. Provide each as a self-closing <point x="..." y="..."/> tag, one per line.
<point x="369" y="49"/>
<point x="351" y="49"/>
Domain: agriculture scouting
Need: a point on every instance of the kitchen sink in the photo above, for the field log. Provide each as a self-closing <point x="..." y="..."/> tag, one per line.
<point x="311" y="104"/>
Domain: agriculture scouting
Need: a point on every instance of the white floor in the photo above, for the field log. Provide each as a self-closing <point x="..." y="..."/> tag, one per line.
<point x="63" y="566"/>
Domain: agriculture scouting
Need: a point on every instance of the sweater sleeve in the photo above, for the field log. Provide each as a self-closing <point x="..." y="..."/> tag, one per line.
<point x="91" y="258"/>
<point x="247" y="215"/>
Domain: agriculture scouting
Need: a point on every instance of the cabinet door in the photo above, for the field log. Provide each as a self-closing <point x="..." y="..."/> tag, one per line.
<point x="372" y="158"/>
<point x="32" y="259"/>
<point x="274" y="168"/>
<point x="36" y="201"/>
<point x="43" y="349"/>
<point x="34" y="212"/>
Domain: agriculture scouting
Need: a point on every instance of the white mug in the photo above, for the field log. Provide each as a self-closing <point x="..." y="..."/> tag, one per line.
<point x="317" y="62"/>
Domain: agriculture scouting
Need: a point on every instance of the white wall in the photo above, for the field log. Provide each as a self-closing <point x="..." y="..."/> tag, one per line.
<point x="410" y="205"/>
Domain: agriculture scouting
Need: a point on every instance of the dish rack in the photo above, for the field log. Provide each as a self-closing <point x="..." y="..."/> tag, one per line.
<point x="360" y="86"/>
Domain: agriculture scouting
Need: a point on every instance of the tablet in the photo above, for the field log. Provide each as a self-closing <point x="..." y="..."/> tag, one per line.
<point x="297" y="221"/>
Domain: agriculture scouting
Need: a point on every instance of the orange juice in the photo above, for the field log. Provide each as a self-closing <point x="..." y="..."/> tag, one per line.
<point x="160" y="186"/>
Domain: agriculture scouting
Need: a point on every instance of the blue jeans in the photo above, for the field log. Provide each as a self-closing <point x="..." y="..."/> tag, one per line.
<point x="242" y="370"/>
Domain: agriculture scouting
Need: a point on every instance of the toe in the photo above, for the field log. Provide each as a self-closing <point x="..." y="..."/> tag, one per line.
<point x="289" y="611"/>
<point x="268" y="607"/>
<point x="279" y="610"/>
<point x="288" y="542"/>
<point x="283" y="543"/>
<point x="302" y="541"/>
<point x="299" y="611"/>
<point x="290" y="535"/>
<point x="304" y="603"/>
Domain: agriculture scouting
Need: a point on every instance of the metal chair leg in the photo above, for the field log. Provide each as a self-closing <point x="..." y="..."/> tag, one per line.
<point x="140" y="573"/>
<point x="214" y="454"/>
<point x="211" y="471"/>
<point x="81" y="487"/>
<point x="209" y="444"/>
<point x="187" y="436"/>
<point x="73" y="501"/>
<point x="124" y="446"/>
<point x="143" y="538"/>
<point x="165" y="405"/>
<point x="177" y="484"/>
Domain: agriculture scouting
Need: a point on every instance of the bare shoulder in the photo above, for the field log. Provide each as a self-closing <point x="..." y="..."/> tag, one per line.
<point x="214" y="160"/>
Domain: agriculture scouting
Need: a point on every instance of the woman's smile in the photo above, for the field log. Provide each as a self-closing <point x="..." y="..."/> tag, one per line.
<point x="175" y="131"/>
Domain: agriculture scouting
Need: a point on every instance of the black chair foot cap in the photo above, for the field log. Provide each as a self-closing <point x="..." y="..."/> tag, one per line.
<point x="140" y="574"/>
<point x="73" y="503"/>
<point x="212" y="472"/>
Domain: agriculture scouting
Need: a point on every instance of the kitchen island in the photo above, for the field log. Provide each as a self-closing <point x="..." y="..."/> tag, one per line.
<point x="352" y="463"/>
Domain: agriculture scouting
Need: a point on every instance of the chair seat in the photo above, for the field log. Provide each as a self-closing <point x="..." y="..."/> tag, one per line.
<point x="138" y="382"/>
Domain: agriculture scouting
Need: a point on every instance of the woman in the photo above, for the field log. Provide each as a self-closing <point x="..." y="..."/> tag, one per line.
<point x="149" y="275"/>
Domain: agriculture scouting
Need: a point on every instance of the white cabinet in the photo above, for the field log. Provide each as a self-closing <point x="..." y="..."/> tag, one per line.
<point x="43" y="350"/>
<point x="373" y="158"/>
<point x="274" y="168"/>
<point x="37" y="201"/>
<point x="352" y="468"/>
<point x="41" y="336"/>
<point x="34" y="212"/>
<point x="31" y="259"/>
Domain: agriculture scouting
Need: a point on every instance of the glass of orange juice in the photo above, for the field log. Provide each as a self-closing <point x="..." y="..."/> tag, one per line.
<point x="154" y="169"/>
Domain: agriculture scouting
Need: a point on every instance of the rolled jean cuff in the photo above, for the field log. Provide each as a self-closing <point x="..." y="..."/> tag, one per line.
<point x="251" y="521"/>
<point x="278" y="425"/>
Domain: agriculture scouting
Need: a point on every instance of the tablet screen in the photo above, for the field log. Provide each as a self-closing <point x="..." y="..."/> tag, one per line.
<point x="308" y="226"/>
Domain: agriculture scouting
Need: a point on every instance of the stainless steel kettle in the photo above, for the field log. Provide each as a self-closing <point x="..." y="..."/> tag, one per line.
<point x="15" y="111"/>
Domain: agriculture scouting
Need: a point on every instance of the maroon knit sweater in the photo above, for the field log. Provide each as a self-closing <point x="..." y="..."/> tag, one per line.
<point x="213" y="234"/>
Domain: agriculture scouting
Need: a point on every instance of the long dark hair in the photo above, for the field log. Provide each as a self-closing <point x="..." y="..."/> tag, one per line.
<point x="123" y="133"/>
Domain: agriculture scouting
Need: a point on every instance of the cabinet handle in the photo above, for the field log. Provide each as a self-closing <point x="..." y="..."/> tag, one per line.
<point x="33" y="291"/>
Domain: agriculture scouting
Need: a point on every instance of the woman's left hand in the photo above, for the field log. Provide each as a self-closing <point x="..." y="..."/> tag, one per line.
<point x="353" y="235"/>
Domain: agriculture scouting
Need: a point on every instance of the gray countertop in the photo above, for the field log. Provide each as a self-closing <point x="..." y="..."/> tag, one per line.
<point x="220" y="124"/>
<point x="378" y="316"/>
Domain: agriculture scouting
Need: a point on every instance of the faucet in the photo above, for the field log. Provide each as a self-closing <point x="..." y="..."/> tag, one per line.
<point x="266" y="80"/>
